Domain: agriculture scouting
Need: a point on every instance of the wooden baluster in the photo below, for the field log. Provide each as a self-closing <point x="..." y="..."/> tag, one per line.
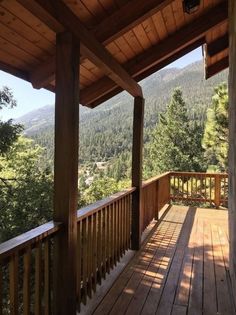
<point x="112" y="235"/>
<point x="210" y="187"/>
<point x="79" y="262"/>
<point x="178" y="187"/>
<point x="157" y="200"/>
<point x="47" y="280"/>
<point x="175" y="187"/>
<point x="26" y="281"/>
<point x="13" y="274"/>
<point x="99" y="246"/>
<point x="224" y="190"/>
<point x="217" y="190"/>
<point x="104" y="243"/>
<point x="95" y="226"/>
<point x="119" y="231"/>
<point x="130" y="219"/>
<point x="125" y="223"/>
<point x="85" y="258"/>
<point x="191" y="189"/>
<point x="115" y="232"/>
<point x="196" y="186"/>
<point x="187" y="194"/>
<point x="108" y="238"/>
<point x="89" y="267"/>
<point x="205" y="184"/>
<point x="38" y="278"/>
<point x="122" y="226"/>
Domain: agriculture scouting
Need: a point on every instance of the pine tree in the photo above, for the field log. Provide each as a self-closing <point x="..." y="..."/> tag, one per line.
<point x="9" y="132"/>
<point x="175" y="143"/>
<point x="215" y="140"/>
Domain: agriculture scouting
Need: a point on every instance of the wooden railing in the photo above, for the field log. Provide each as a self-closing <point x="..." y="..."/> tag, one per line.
<point x="155" y="194"/>
<point x="208" y="188"/>
<point x="103" y="238"/>
<point x="104" y="234"/>
<point x="26" y="272"/>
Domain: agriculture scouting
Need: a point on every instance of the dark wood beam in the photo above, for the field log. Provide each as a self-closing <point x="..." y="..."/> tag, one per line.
<point x="21" y="74"/>
<point x="217" y="67"/>
<point x="66" y="172"/>
<point x="37" y="76"/>
<point x="156" y="54"/>
<point x="218" y="45"/>
<point x="137" y="156"/>
<point x="150" y="71"/>
<point x="105" y="32"/>
<point x="14" y="71"/>
<point x="90" y="46"/>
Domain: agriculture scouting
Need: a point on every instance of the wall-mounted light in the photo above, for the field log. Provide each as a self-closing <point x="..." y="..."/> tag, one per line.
<point x="191" y="6"/>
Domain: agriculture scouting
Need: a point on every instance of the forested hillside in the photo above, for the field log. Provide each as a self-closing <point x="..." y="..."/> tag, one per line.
<point x="106" y="132"/>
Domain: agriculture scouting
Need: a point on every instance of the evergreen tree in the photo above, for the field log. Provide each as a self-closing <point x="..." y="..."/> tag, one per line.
<point x="175" y="143"/>
<point x="215" y="140"/>
<point x="8" y="131"/>
<point x="26" y="189"/>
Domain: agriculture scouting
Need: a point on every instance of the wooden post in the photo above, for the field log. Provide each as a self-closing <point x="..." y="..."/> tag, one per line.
<point x="232" y="143"/>
<point x="66" y="171"/>
<point x="217" y="191"/>
<point x="137" y="153"/>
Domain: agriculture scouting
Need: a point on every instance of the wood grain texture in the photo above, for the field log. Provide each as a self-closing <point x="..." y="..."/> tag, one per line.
<point x="137" y="153"/>
<point x="174" y="271"/>
<point x="91" y="47"/>
<point x="66" y="172"/>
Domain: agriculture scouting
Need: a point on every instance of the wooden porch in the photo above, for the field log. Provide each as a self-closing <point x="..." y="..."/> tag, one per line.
<point x="182" y="268"/>
<point x="86" y="54"/>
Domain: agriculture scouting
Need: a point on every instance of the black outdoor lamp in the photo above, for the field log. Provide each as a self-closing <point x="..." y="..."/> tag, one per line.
<point x="191" y="6"/>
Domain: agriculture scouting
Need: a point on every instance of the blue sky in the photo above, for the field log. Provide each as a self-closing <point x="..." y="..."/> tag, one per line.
<point x="29" y="99"/>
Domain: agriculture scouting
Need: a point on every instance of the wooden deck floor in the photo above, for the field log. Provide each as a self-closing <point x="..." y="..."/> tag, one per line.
<point x="181" y="269"/>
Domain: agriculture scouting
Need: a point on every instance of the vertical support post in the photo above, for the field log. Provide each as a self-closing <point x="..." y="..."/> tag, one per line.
<point x="232" y="143"/>
<point x="137" y="155"/>
<point x="66" y="171"/>
<point x="217" y="190"/>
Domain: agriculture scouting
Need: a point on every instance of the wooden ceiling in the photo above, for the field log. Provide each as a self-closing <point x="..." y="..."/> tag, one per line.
<point x="123" y="41"/>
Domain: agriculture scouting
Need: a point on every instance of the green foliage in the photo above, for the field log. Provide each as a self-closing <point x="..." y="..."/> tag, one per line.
<point x="26" y="189"/>
<point x="8" y="131"/>
<point x="215" y="140"/>
<point x="100" y="188"/>
<point x="106" y="131"/>
<point x="175" y="142"/>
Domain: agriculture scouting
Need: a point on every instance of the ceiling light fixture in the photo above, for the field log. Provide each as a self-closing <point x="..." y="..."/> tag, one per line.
<point x="191" y="6"/>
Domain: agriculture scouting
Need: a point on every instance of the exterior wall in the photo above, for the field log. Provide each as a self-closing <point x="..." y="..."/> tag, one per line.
<point x="232" y="141"/>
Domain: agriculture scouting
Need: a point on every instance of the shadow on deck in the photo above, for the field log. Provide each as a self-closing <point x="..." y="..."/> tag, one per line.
<point x="182" y="268"/>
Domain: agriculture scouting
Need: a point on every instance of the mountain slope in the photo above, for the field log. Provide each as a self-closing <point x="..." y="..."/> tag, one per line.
<point x="106" y="131"/>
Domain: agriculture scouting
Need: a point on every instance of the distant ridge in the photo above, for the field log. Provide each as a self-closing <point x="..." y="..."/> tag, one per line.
<point x="98" y="126"/>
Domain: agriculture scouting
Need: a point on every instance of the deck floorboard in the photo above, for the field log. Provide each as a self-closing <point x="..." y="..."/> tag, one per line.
<point x="181" y="269"/>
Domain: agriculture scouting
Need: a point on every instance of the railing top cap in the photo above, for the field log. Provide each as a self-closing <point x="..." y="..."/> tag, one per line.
<point x="28" y="238"/>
